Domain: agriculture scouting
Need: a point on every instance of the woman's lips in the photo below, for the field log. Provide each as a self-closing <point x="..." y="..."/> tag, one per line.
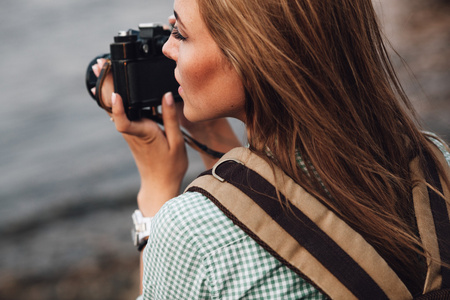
<point x="180" y="89"/>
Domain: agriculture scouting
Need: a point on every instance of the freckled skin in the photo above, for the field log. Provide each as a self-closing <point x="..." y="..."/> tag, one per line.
<point x="210" y="87"/>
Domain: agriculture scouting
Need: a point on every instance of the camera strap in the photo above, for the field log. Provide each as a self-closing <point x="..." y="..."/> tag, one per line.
<point x="193" y="143"/>
<point x="200" y="147"/>
<point x="101" y="79"/>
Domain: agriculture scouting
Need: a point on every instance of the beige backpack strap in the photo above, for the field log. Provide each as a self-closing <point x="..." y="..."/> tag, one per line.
<point x="308" y="237"/>
<point x="433" y="220"/>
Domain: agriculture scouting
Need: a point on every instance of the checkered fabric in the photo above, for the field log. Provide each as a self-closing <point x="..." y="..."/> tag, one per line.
<point x="443" y="147"/>
<point x="195" y="252"/>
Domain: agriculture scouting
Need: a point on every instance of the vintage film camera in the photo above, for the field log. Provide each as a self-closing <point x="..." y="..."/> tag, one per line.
<point x="141" y="72"/>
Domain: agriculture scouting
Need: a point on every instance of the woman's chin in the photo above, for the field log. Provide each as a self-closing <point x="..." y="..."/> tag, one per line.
<point x="190" y="114"/>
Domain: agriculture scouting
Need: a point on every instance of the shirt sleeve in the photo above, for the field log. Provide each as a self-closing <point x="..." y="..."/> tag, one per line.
<point x="173" y="261"/>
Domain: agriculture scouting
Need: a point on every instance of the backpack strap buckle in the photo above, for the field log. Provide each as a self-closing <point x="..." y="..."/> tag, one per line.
<point x="213" y="171"/>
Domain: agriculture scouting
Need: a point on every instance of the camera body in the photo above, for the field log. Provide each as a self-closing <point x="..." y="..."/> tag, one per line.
<point x="141" y="72"/>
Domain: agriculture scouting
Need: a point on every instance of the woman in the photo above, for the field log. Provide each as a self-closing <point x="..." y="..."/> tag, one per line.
<point x="313" y="83"/>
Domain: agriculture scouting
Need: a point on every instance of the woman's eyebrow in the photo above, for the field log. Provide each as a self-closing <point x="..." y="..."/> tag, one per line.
<point x="177" y="17"/>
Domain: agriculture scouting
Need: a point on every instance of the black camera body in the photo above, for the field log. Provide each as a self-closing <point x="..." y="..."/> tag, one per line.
<point x="141" y="72"/>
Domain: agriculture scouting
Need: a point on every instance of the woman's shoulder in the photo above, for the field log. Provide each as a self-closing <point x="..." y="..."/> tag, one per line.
<point x="196" y="217"/>
<point x="195" y="235"/>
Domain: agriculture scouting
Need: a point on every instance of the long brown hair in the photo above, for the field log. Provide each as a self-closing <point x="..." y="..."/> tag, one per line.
<point x="319" y="81"/>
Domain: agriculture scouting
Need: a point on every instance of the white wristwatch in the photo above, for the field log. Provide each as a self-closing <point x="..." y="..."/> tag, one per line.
<point x="141" y="229"/>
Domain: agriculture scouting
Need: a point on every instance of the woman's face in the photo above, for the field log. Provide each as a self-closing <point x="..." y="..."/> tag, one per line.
<point x="209" y="85"/>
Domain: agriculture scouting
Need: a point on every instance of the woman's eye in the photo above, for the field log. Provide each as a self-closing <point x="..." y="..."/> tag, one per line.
<point x="176" y="34"/>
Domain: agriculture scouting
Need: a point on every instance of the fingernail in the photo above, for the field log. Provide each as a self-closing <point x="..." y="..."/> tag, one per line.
<point x="169" y="98"/>
<point x="113" y="98"/>
<point x="99" y="61"/>
<point x="93" y="90"/>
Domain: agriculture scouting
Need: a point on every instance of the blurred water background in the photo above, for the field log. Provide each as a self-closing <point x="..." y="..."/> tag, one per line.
<point x="67" y="180"/>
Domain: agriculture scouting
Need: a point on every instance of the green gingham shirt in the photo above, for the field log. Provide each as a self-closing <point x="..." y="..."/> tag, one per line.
<point x="195" y="252"/>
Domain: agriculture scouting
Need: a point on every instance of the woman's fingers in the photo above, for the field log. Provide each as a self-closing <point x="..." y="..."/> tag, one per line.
<point x="160" y="158"/>
<point x="123" y="125"/>
<point x="172" y="20"/>
<point x="144" y="128"/>
<point x="170" y="119"/>
<point x="97" y="68"/>
<point x="107" y="89"/>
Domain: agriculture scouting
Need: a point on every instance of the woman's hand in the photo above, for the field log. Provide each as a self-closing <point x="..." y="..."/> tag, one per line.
<point x="160" y="156"/>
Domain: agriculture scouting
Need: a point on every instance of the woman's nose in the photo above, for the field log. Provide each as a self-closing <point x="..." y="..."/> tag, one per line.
<point x="170" y="48"/>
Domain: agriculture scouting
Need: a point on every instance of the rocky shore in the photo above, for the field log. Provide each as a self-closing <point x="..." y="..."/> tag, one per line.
<point x="83" y="251"/>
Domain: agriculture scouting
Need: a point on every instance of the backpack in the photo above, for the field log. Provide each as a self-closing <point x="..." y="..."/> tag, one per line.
<point x="313" y="241"/>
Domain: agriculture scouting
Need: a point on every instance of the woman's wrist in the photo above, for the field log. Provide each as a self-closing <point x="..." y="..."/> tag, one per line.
<point x="217" y="135"/>
<point x="151" y="199"/>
